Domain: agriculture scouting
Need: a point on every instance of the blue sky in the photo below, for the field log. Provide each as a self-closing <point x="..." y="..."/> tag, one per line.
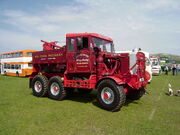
<point x="153" y="25"/>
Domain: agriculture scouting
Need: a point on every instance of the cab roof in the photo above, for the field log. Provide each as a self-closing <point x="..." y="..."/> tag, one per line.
<point x="89" y="34"/>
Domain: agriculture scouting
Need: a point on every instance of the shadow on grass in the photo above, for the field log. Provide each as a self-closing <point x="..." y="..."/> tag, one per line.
<point x="166" y="93"/>
<point x="83" y="98"/>
<point x="130" y="101"/>
<point x="90" y="98"/>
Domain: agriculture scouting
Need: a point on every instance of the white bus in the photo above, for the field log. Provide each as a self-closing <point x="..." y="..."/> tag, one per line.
<point x="156" y="65"/>
<point x="148" y="67"/>
<point x="16" y="63"/>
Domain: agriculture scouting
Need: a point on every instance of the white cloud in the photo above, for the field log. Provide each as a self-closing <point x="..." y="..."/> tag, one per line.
<point x="161" y="4"/>
<point x="17" y="41"/>
<point x="129" y="23"/>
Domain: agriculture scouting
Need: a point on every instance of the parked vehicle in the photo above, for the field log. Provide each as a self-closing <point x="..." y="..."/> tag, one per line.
<point x="16" y="63"/>
<point x="133" y="61"/>
<point x="156" y="65"/>
<point x="148" y="67"/>
<point x="88" y="61"/>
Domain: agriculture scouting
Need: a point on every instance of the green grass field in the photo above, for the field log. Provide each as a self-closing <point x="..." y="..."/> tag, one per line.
<point x="21" y="113"/>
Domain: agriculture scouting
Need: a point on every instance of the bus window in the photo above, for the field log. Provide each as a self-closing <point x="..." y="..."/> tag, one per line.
<point x="5" y="66"/>
<point x="19" y="66"/>
<point x="8" y="66"/>
<point x="16" y="67"/>
<point x="12" y="66"/>
<point x="16" y="54"/>
<point x="29" y="64"/>
<point x="13" y="55"/>
<point x="20" y="54"/>
<point x="10" y="55"/>
<point x="29" y="54"/>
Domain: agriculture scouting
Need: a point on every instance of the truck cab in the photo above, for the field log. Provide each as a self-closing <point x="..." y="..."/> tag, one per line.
<point x="81" y="51"/>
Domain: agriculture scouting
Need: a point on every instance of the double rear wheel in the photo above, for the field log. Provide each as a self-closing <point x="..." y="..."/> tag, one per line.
<point x="54" y="87"/>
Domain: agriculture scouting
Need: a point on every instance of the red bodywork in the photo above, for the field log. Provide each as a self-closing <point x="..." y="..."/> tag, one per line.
<point x="87" y="65"/>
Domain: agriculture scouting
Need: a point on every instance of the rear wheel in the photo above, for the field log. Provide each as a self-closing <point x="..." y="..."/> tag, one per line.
<point x="39" y="84"/>
<point x="110" y="96"/>
<point x="56" y="89"/>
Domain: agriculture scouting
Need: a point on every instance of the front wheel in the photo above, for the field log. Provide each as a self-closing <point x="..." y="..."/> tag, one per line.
<point x="110" y="96"/>
<point x="56" y="89"/>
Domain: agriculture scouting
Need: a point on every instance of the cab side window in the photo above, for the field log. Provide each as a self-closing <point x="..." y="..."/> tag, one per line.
<point x="71" y="44"/>
<point x="85" y="42"/>
<point x="82" y="43"/>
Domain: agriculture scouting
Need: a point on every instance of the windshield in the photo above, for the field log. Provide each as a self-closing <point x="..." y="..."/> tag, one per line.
<point x="147" y="62"/>
<point x="155" y="62"/>
<point x="103" y="45"/>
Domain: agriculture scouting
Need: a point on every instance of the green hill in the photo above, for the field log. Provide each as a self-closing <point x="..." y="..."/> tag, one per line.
<point x="171" y="57"/>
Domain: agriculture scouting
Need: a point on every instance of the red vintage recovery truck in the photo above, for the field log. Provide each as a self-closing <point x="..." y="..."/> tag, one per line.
<point x="88" y="62"/>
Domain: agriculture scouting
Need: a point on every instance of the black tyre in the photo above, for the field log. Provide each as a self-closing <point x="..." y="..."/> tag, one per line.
<point x="110" y="96"/>
<point x="84" y="91"/>
<point x="39" y="85"/>
<point x="56" y="88"/>
<point x="136" y="94"/>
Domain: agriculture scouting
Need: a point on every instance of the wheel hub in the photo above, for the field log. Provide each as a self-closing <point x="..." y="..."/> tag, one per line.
<point x="107" y="95"/>
<point x="38" y="86"/>
<point x="54" y="88"/>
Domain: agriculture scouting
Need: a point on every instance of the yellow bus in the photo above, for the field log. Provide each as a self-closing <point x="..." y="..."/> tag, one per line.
<point x="16" y="63"/>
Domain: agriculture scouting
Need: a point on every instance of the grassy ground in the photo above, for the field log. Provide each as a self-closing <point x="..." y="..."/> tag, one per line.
<point x="23" y="114"/>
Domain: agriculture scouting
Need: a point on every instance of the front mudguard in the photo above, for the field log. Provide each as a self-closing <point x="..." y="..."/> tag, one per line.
<point x="117" y="80"/>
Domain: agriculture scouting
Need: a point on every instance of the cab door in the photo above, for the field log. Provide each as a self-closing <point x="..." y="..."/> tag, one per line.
<point x="71" y="54"/>
<point x="85" y="59"/>
<point x="80" y="56"/>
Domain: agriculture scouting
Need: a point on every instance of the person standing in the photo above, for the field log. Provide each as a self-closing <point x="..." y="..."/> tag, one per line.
<point x="177" y="69"/>
<point x="173" y="69"/>
<point x="166" y="70"/>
